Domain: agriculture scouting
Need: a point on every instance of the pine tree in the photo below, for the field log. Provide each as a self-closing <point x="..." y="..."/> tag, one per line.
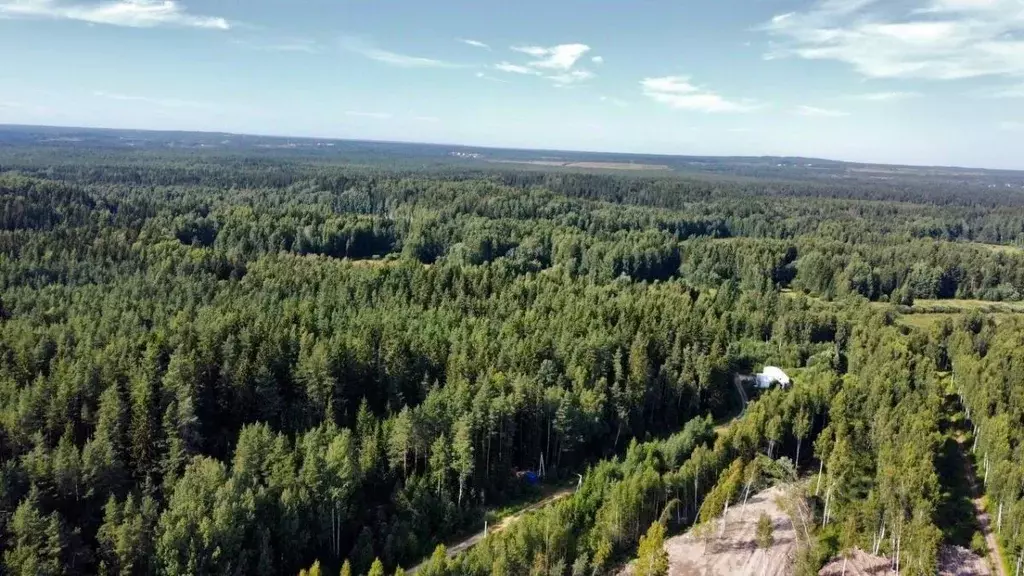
<point x="362" y="551"/>
<point x="36" y="541"/>
<point x="652" y="559"/>
<point x="438" y="563"/>
<point x="67" y="469"/>
<point x="399" y="441"/>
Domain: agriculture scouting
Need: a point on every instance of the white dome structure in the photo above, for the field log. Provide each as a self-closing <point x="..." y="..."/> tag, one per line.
<point x="771" y="376"/>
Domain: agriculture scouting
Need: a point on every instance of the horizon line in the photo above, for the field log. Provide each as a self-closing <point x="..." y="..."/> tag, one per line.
<point x="508" y="148"/>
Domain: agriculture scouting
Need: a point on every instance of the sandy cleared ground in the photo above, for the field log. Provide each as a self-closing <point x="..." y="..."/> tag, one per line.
<point x="957" y="561"/>
<point x="734" y="551"/>
<point x="953" y="561"/>
<point x="860" y="563"/>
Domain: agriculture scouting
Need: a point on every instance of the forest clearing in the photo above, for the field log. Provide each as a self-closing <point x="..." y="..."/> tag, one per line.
<point x="730" y="546"/>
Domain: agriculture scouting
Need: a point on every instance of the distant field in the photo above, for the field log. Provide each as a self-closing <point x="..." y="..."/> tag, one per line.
<point x="590" y="165"/>
<point x="927" y="313"/>
<point x="999" y="248"/>
<point x="953" y="305"/>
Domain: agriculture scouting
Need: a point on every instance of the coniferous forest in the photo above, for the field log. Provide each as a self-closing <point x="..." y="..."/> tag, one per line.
<point x="264" y="362"/>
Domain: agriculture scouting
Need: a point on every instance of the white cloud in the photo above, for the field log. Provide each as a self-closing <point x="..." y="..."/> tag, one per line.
<point x="816" y="112"/>
<point x="430" y="119"/>
<point x="515" y="68"/>
<point x="597" y="59"/>
<point x="561" y="57"/>
<point x="928" y="39"/>
<point x="474" y="43"/>
<point x="131" y="13"/>
<point x="403" y="60"/>
<point x="556" y="63"/>
<point x="570" y="77"/>
<point x="678" y="92"/>
<point x="373" y="115"/>
<point x="483" y="76"/>
<point x="1012" y="126"/>
<point x="162" y="102"/>
<point x="394" y="58"/>
<point x="886" y="96"/>
<point x="782" y="17"/>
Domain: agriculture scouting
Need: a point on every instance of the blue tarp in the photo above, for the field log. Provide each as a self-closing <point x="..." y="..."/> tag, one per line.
<point x="531" y="477"/>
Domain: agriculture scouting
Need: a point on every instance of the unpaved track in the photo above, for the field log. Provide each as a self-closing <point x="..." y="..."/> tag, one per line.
<point x="507" y="521"/>
<point x="995" y="558"/>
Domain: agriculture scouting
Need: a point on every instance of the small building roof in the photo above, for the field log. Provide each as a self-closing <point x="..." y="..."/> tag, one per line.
<point x="772" y="375"/>
<point x="776" y="374"/>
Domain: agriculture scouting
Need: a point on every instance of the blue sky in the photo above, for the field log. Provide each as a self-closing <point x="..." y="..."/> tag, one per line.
<point x="900" y="81"/>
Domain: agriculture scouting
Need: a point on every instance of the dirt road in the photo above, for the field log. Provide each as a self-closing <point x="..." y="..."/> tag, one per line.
<point x="505" y="522"/>
<point x="995" y="558"/>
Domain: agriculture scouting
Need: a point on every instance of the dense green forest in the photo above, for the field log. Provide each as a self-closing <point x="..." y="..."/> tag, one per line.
<point x="221" y="364"/>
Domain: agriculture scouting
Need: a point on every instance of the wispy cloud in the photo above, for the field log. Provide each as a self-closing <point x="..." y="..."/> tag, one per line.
<point x="394" y="58"/>
<point x="886" y="96"/>
<point x="474" y="43"/>
<point x="297" y="45"/>
<point x="155" y="101"/>
<point x="428" y="119"/>
<point x="403" y="60"/>
<point x="515" y="68"/>
<point x="1011" y="126"/>
<point x="373" y="115"/>
<point x="815" y="112"/>
<point x="556" y="63"/>
<point x="130" y="13"/>
<point x="929" y="39"/>
<point x="597" y="59"/>
<point x="570" y="77"/>
<point x="678" y="92"/>
<point x="614" y="101"/>
<point x="490" y="78"/>
<point x="561" y="57"/>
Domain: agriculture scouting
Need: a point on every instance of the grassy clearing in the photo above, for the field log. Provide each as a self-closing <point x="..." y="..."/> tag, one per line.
<point x="926" y="321"/>
<point x="955" y="305"/>
<point x="925" y="314"/>
<point x="999" y="248"/>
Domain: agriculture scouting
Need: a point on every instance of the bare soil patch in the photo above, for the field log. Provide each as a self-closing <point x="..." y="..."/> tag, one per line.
<point x="953" y="561"/>
<point x="860" y="563"/>
<point x="733" y="551"/>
